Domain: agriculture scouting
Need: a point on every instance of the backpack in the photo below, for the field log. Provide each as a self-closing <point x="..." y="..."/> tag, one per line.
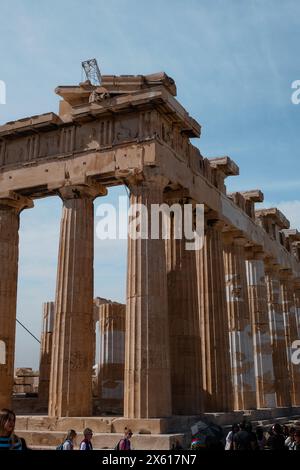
<point x="126" y="444"/>
<point x="117" y="447"/>
<point x="61" y="446"/>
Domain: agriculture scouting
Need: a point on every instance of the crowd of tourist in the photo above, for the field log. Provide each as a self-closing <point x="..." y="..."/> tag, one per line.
<point x="240" y="437"/>
<point x="243" y="437"/>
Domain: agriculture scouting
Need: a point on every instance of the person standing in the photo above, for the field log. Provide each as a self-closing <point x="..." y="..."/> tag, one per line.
<point x="230" y="437"/>
<point x="290" y="441"/>
<point x="70" y="440"/>
<point x="260" y="436"/>
<point x="245" y="439"/>
<point x="276" y="440"/>
<point x="297" y="440"/>
<point x="125" y="443"/>
<point x="86" y="444"/>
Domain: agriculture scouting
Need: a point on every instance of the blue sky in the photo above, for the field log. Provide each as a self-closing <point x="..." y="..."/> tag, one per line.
<point x="233" y="62"/>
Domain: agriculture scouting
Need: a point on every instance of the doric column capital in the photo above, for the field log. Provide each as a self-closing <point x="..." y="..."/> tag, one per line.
<point x="212" y="221"/>
<point x="214" y="225"/>
<point x="234" y="237"/>
<point x="12" y="200"/>
<point x="149" y="180"/>
<point x="285" y="274"/>
<point x="82" y="191"/>
<point x="272" y="268"/>
<point x="297" y="283"/>
<point x="255" y="253"/>
<point x="178" y="196"/>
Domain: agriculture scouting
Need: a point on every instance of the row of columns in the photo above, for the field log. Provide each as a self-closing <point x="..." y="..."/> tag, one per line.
<point x="205" y="330"/>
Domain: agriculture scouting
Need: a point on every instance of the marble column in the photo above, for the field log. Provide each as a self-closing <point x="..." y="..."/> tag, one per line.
<point x="277" y="336"/>
<point x="112" y="357"/>
<point x="184" y="327"/>
<point x="297" y="304"/>
<point x="72" y="354"/>
<point x="216" y="366"/>
<point x="147" y="363"/>
<point x="263" y="359"/>
<point x="10" y="208"/>
<point x="290" y="332"/>
<point x="240" y="331"/>
<point x="46" y="352"/>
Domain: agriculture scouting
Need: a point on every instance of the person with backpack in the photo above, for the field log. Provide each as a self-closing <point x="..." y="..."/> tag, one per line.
<point x="125" y="444"/>
<point x="86" y="443"/>
<point x="68" y="443"/>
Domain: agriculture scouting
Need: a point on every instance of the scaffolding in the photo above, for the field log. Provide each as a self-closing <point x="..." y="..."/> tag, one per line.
<point x="92" y="71"/>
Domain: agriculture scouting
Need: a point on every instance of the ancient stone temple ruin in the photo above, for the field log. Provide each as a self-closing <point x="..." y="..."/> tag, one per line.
<point x="206" y="331"/>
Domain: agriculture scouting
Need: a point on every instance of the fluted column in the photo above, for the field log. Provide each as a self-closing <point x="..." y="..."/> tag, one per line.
<point x="147" y="363"/>
<point x="10" y="208"/>
<point x="240" y="331"/>
<point x="297" y="304"/>
<point x="72" y="358"/>
<point x="290" y="332"/>
<point x="184" y="327"/>
<point x="216" y="369"/>
<point x="46" y="352"/>
<point x="277" y="336"/>
<point x="263" y="360"/>
<point x="112" y="357"/>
